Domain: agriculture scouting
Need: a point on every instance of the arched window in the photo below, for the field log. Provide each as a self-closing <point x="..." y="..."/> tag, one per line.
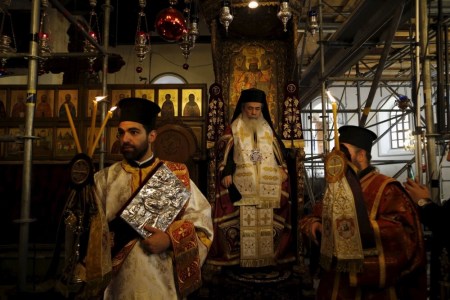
<point x="168" y="78"/>
<point x="400" y="124"/>
<point x="393" y="128"/>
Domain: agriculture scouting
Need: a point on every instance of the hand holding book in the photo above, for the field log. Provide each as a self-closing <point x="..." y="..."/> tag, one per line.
<point x="157" y="242"/>
<point x="157" y="202"/>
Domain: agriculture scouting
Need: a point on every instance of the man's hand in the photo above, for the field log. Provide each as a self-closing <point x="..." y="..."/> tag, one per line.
<point x="227" y="181"/>
<point x="158" y="242"/>
<point x="416" y="190"/>
<point x="316" y="231"/>
<point x="283" y="174"/>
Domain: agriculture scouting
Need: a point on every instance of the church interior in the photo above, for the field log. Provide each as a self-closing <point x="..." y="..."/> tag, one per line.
<point x="382" y="65"/>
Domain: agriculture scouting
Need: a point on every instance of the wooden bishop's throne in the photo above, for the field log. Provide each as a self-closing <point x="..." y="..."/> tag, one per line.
<point x="256" y="50"/>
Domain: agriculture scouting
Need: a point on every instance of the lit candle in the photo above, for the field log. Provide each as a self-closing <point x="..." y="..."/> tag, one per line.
<point x="334" y="109"/>
<point x="93" y="119"/>
<point x="72" y="127"/>
<point x="108" y="116"/>
<point x="336" y="135"/>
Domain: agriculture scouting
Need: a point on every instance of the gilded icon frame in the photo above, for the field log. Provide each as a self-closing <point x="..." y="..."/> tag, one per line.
<point x="194" y="111"/>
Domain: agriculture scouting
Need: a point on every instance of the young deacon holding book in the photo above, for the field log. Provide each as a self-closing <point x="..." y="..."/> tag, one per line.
<point x="167" y="263"/>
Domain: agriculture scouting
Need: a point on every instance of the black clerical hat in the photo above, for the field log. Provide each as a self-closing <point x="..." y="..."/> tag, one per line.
<point x="252" y="95"/>
<point x="357" y="136"/>
<point x="138" y="110"/>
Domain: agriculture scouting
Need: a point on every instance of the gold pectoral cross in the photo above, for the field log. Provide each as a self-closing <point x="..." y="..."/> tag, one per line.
<point x="256" y="155"/>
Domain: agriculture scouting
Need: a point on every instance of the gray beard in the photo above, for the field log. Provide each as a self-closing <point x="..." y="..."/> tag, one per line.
<point x="251" y="123"/>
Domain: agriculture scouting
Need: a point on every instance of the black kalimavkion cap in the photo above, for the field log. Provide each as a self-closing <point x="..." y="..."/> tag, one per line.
<point x="357" y="136"/>
<point x="138" y="110"/>
<point x="253" y="95"/>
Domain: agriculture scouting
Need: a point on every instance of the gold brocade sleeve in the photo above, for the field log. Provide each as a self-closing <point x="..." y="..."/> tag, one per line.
<point x="185" y="256"/>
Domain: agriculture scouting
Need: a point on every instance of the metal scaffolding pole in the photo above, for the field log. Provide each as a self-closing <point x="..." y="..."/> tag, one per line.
<point x="25" y="220"/>
<point x="103" y="51"/>
<point x="387" y="47"/>
<point x="433" y="174"/>
<point x="29" y="119"/>
<point x="107" y="12"/>
<point x="418" y="135"/>
<point x="322" y="72"/>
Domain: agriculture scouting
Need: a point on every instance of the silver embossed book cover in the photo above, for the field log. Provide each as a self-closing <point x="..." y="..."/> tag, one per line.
<point x="157" y="203"/>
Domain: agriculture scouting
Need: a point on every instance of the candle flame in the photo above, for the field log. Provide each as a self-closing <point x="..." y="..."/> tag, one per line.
<point x="332" y="99"/>
<point x="99" y="98"/>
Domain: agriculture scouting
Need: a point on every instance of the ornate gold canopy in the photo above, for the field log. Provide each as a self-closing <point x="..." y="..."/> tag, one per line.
<point x="255" y="51"/>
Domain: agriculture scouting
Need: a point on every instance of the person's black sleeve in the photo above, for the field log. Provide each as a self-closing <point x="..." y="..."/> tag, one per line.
<point x="230" y="166"/>
<point x="436" y="217"/>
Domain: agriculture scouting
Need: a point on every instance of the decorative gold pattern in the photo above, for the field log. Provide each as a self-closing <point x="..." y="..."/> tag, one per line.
<point x="186" y="256"/>
<point x="257" y="180"/>
<point x="335" y="166"/>
<point x="257" y="247"/>
<point x="291" y="127"/>
<point x="341" y="236"/>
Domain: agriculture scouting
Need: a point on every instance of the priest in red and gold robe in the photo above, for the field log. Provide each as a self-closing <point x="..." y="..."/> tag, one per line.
<point x="372" y="245"/>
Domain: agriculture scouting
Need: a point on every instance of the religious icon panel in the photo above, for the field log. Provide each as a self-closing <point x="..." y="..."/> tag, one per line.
<point x="145" y="93"/>
<point x="69" y="98"/>
<point x="65" y="143"/>
<point x="18" y="106"/>
<point x="168" y="101"/>
<point x="117" y="95"/>
<point x="182" y="104"/>
<point x="15" y="149"/>
<point x="191" y="102"/>
<point x="43" y="145"/>
<point x="45" y="104"/>
<point x="92" y="94"/>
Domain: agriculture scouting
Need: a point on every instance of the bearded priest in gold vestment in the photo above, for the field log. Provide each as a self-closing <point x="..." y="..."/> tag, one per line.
<point x="251" y="213"/>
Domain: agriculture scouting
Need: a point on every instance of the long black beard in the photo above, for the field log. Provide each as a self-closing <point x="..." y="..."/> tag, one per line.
<point x="136" y="154"/>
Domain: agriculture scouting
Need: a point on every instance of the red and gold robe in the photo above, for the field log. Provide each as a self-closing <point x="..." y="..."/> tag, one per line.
<point x="398" y="271"/>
